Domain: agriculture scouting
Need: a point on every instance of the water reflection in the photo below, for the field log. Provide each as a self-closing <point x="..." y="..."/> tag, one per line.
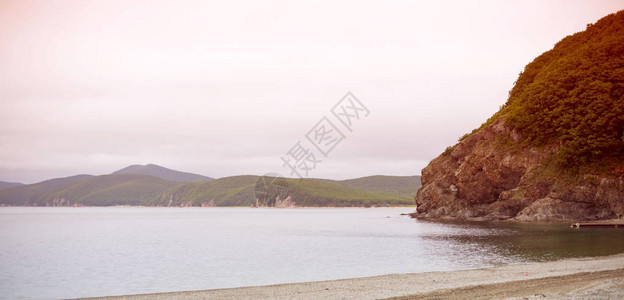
<point x="532" y="242"/>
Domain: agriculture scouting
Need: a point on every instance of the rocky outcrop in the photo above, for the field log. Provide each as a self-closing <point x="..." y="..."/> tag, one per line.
<point x="492" y="175"/>
<point x="210" y="203"/>
<point x="288" y="202"/>
<point x="57" y="201"/>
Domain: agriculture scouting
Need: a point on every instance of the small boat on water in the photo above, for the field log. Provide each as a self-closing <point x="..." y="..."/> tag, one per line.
<point x="597" y="224"/>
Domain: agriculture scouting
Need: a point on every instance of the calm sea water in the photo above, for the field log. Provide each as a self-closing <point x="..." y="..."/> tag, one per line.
<point x="82" y="252"/>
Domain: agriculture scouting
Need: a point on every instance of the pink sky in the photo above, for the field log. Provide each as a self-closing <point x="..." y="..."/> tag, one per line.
<point x="227" y="87"/>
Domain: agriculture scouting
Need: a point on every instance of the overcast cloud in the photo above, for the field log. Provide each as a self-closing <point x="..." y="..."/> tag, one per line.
<point x="225" y="88"/>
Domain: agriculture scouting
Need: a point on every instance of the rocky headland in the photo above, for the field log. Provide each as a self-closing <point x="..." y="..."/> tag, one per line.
<point x="554" y="151"/>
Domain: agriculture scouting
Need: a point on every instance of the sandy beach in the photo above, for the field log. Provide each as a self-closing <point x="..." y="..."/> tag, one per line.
<point x="601" y="277"/>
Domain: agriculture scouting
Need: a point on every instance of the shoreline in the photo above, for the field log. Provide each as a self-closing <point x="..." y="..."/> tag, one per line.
<point x="576" y="277"/>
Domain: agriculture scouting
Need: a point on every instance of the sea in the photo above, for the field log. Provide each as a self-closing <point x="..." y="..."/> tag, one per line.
<point x="73" y="252"/>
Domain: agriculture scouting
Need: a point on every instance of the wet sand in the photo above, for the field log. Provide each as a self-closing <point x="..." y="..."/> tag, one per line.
<point x="582" y="278"/>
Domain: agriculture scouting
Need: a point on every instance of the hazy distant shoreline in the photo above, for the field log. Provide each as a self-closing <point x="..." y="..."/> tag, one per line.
<point x="579" y="277"/>
<point x="154" y="185"/>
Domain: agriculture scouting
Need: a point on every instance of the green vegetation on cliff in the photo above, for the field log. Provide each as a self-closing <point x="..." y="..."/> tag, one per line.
<point x="573" y="95"/>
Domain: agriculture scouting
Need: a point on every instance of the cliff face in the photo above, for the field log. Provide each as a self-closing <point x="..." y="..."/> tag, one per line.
<point x="493" y="175"/>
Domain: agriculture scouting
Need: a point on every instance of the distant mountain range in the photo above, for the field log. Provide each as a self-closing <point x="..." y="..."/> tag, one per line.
<point x="239" y="190"/>
<point x="163" y="173"/>
<point x="28" y="194"/>
<point x="107" y="190"/>
<point x="153" y="185"/>
<point x="6" y="184"/>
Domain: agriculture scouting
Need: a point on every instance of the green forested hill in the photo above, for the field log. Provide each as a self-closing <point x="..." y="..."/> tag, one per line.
<point x="311" y="192"/>
<point x="394" y="185"/>
<point x="162" y="173"/>
<point x="88" y="190"/>
<point x="554" y="151"/>
<point x="105" y="190"/>
<point x="136" y="189"/>
<point x="29" y="194"/>
<point x="227" y="191"/>
<point x="239" y="190"/>
<point x="573" y="95"/>
<point x="6" y="184"/>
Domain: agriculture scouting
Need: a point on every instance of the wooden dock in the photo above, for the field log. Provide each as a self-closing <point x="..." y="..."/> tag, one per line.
<point x="597" y="225"/>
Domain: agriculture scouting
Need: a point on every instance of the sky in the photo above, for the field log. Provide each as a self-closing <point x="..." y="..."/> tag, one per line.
<point x="224" y="88"/>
